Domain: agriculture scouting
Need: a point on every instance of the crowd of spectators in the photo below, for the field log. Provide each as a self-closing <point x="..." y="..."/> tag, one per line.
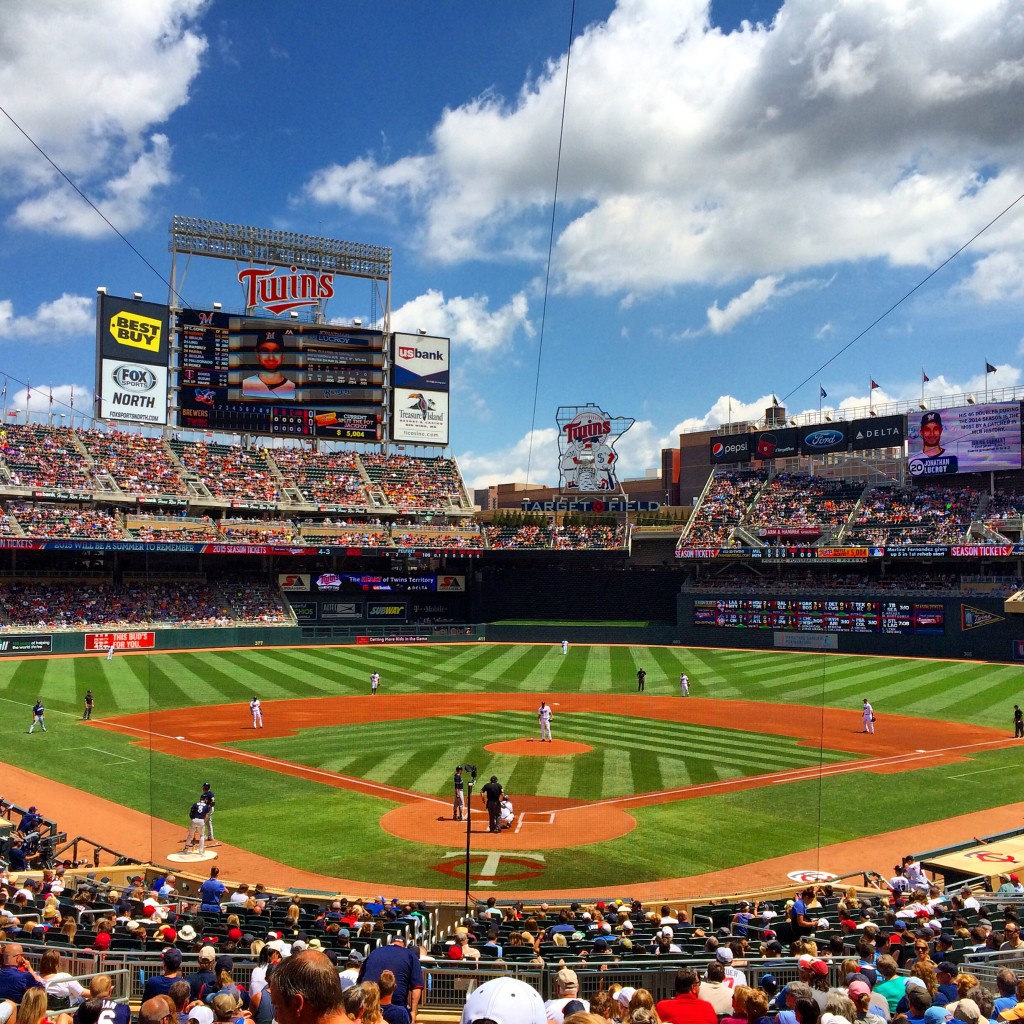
<point x="798" y="499"/>
<point x="324" y="477"/>
<point x="890" y="516"/>
<point x="74" y="605"/>
<point x="173" y="529"/>
<point x="137" y="464"/>
<point x="413" y="484"/>
<point x="721" y="509"/>
<point x="35" y="455"/>
<point x="253" y="600"/>
<point x="229" y="471"/>
<point x="248" y="531"/>
<point x="515" y="530"/>
<point x="56" y="519"/>
<point x="581" y="537"/>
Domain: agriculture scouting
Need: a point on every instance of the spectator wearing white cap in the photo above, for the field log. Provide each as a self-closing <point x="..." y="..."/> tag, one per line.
<point x="567" y="987"/>
<point x="733" y="975"/>
<point x="505" y="1001"/>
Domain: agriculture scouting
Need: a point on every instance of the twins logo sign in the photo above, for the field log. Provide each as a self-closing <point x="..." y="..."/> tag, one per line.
<point x="586" y="448"/>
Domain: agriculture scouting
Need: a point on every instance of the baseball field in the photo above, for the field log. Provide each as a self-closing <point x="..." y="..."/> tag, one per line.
<point x="765" y="758"/>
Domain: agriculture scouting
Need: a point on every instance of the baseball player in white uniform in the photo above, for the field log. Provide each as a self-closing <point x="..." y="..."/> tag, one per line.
<point x="544" y="720"/>
<point x="565" y="646"/>
<point x="374" y="683"/>
<point x="869" y="717"/>
<point x="684" y="685"/>
<point x="256" y="710"/>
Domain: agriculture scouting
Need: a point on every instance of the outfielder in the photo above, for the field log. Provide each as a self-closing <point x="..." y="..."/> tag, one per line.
<point x="544" y="720"/>
<point x="684" y="685"/>
<point x="374" y="683"/>
<point x="565" y="646"/>
<point x="256" y="710"/>
<point x="38" y="715"/>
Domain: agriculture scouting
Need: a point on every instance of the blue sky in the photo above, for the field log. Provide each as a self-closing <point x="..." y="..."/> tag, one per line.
<point x="744" y="187"/>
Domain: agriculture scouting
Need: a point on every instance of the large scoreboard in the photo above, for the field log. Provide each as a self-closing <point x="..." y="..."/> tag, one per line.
<point x="280" y="377"/>
<point x="882" y="617"/>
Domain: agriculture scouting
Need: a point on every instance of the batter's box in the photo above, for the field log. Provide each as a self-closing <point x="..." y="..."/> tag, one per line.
<point x="535" y="818"/>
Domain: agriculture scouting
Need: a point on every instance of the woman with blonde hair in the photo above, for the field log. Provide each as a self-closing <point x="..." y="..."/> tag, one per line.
<point x="33" y="1009"/>
<point x="371" y="1003"/>
<point x="641" y="999"/>
<point x="740" y="995"/>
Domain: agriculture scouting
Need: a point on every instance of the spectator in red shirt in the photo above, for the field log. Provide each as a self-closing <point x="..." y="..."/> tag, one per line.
<point x="685" y="1007"/>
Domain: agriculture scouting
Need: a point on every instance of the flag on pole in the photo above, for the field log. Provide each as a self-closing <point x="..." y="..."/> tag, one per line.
<point x="874" y="384"/>
<point x="924" y="376"/>
<point x="822" y="393"/>
<point x="989" y="368"/>
<point x="775" y="402"/>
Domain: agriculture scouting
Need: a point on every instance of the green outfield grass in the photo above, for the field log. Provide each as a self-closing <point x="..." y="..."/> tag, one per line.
<point x="340" y="832"/>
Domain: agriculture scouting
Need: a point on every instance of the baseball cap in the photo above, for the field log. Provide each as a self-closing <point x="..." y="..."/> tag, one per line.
<point x="769" y="982"/>
<point x="355" y="957"/>
<point x="102" y="941"/>
<point x="967" y="1010"/>
<point x="574" y="1006"/>
<point x="931" y="417"/>
<point x="900" y="926"/>
<point x="948" y="967"/>
<point x="201" y="1015"/>
<point x="172" y="957"/>
<point x="505" y="1001"/>
<point x="858" y="988"/>
<point x="207" y="953"/>
<point x="805" y="960"/>
<point x="820" y="968"/>
<point x="566" y="977"/>
<point x="206" y="785"/>
<point x="723" y="955"/>
<point x="1013" y="1013"/>
<point x="915" y="982"/>
<point x="625" y="994"/>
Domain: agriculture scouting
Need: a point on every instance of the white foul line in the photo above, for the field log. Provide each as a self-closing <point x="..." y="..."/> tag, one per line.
<point x="292" y="765"/>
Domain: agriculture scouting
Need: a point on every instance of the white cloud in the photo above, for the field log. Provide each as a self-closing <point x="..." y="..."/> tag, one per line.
<point x="845" y="130"/>
<point x="88" y="83"/>
<point x="744" y="305"/>
<point x="123" y="202"/>
<point x="997" y="277"/>
<point x="466" y="320"/>
<point x="537" y="449"/>
<point x="67" y="317"/>
<point x="38" y="398"/>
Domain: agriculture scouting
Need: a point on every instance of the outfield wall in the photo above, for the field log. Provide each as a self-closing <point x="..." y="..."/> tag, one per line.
<point x="975" y="629"/>
<point x="22" y="644"/>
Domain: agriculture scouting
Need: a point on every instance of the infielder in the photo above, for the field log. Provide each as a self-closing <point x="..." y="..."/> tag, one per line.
<point x="458" y="795"/>
<point x="256" y="710"/>
<point x="565" y="646"/>
<point x="544" y="721"/>
<point x="38" y="715"/>
<point x="868" y="713"/>
<point x="684" y="685"/>
<point x="374" y="683"/>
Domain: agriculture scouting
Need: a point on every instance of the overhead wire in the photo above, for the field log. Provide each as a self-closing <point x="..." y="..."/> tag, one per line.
<point x="551" y="245"/>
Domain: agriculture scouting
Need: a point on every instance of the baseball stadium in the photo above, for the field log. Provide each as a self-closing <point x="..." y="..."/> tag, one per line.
<point x="281" y="641"/>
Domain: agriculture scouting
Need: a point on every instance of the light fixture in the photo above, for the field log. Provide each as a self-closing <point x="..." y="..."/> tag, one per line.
<point x="357" y="322"/>
<point x="294" y="315"/>
<point x="873" y="413"/>
<point x="922" y="406"/>
<point x="828" y="417"/>
<point x="970" y="399"/>
<point x="422" y="330"/>
<point x="136" y="295"/>
<point x="217" y="305"/>
<point x="101" y="290"/>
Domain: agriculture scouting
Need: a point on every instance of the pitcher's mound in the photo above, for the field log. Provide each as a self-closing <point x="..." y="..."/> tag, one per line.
<point x="539" y="748"/>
